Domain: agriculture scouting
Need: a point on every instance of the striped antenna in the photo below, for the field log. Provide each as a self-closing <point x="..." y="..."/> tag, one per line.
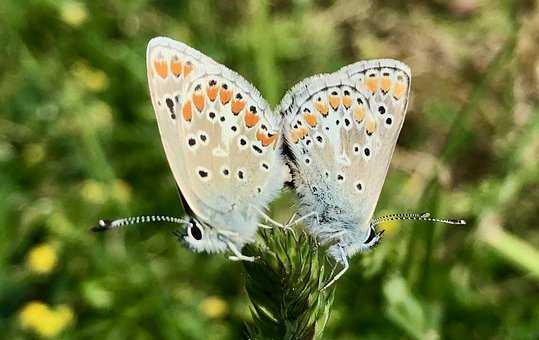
<point x="103" y="225"/>
<point x="415" y="217"/>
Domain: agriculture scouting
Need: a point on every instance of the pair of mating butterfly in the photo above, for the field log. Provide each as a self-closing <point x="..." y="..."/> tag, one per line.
<point x="230" y="155"/>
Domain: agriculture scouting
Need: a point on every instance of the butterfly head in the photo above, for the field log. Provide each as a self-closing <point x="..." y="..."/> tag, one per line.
<point x="373" y="238"/>
<point x="356" y="242"/>
<point x="199" y="236"/>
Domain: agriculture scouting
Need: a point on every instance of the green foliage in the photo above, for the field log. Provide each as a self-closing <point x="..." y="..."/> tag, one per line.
<point x="79" y="142"/>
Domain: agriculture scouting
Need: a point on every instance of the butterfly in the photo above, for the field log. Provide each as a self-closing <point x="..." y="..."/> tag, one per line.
<point x="223" y="145"/>
<point x="225" y="149"/>
<point x="340" y="131"/>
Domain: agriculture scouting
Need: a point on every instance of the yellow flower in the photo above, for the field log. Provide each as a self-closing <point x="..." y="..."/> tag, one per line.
<point x="121" y="191"/>
<point x="93" y="79"/>
<point x="94" y="191"/>
<point x="99" y="115"/>
<point x="42" y="258"/>
<point x="73" y="13"/>
<point x="214" y="307"/>
<point x="43" y="320"/>
<point x="32" y="313"/>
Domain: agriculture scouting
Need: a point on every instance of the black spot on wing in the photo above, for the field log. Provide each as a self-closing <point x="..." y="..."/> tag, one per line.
<point x="170" y="105"/>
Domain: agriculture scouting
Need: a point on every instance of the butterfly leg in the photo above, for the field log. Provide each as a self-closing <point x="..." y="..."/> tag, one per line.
<point x="264" y="226"/>
<point x="272" y="221"/>
<point x="238" y="256"/>
<point x="292" y="222"/>
<point x="344" y="260"/>
<point x="291" y="219"/>
<point x="229" y="234"/>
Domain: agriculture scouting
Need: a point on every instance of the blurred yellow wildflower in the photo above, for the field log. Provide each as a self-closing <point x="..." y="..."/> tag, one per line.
<point x="73" y="13"/>
<point x="213" y="307"/>
<point x="98" y="192"/>
<point x="43" y="320"/>
<point x="42" y="258"/>
<point x="93" y="79"/>
<point x="121" y="190"/>
<point x="99" y="115"/>
<point x="93" y="191"/>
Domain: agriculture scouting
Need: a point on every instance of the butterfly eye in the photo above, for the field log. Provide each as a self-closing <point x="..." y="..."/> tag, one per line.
<point x="194" y="231"/>
<point x="371" y="236"/>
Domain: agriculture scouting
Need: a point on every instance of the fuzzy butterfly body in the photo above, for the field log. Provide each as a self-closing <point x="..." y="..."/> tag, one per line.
<point x="222" y="142"/>
<point x="341" y="130"/>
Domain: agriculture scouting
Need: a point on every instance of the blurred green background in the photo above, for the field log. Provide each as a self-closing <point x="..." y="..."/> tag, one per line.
<point x="79" y="141"/>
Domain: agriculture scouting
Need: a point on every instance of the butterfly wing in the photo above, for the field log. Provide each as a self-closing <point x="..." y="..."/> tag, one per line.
<point x="341" y="130"/>
<point x="220" y="137"/>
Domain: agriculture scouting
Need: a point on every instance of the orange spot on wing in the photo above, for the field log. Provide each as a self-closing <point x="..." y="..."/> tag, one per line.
<point x="372" y="84"/>
<point x="198" y="100"/>
<point x="293" y="136"/>
<point x="187" y="111"/>
<point x="299" y="133"/>
<point x="187" y="68"/>
<point x="237" y="105"/>
<point x="334" y="101"/>
<point x="370" y="126"/>
<point x="310" y="119"/>
<point x="161" y="68"/>
<point x="212" y="92"/>
<point x="385" y="84"/>
<point x="359" y="114"/>
<point x="399" y="90"/>
<point x="266" y="139"/>
<point x="347" y="101"/>
<point x="250" y="119"/>
<point x="302" y="132"/>
<point x="224" y="95"/>
<point x="322" y="108"/>
<point x="176" y="67"/>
